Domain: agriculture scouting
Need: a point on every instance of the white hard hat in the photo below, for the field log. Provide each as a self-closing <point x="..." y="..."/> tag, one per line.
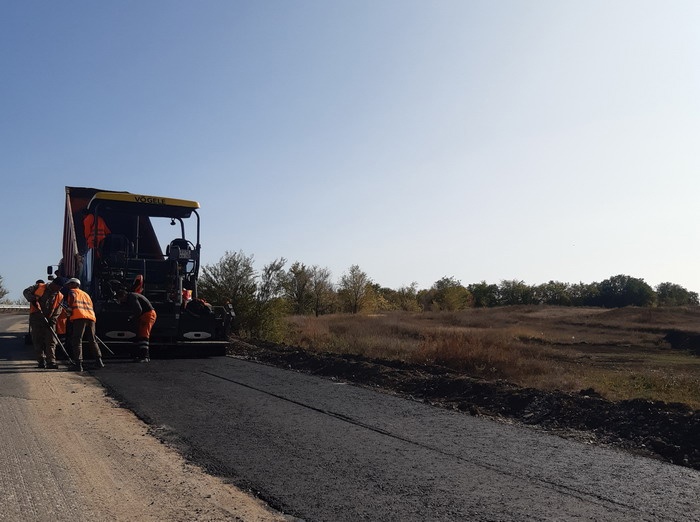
<point x="74" y="280"/>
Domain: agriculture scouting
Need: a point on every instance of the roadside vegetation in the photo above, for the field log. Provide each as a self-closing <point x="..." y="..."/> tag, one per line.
<point x="620" y="354"/>
<point x="613" y="336"/>
<point x="261" y="298"/>
<point x="619" y="337"/>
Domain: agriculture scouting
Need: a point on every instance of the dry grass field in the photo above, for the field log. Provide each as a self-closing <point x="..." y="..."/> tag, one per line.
<point x="647" y="353"/>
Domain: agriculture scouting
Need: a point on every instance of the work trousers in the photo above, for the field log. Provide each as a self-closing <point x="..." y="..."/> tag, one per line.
<point x="42" y="338"/>
<point x="84" y="330"/>
<point x="143" y="333"/>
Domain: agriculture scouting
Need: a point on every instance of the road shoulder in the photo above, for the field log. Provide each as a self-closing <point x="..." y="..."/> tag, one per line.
<point x="70" y="452"/>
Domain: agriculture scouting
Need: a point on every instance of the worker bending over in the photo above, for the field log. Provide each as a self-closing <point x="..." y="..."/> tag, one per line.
<point x="44" y="309"/>
<point x="144" y="316"/>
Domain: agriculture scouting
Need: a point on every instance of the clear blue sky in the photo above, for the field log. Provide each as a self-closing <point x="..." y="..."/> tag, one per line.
<point x="529" y="140"/>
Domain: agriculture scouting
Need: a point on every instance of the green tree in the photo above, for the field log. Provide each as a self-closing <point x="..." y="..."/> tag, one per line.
<point x="670" y="294"/>
<point x="515" y="292"/>
<point x="553" y="293"/>
<point x="385" y="298"/>
<point x="322" y="291"/>
<point x="298" y="288"/>
<point x="269" y="307"/>
<point x="3" y="290"/>
<point x="623" y="290"/>
<point x="232" y="279"/>
<point x="484" y="294"/>
<point x="585" y="294"/>
<point x="354" y="289"/>
<point x="405" y="298"/>
<point x="447" y="294"/>
<point x="375" y="300"/>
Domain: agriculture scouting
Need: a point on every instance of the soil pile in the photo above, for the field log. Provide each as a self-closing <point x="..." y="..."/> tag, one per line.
<point x="656" y="429"/>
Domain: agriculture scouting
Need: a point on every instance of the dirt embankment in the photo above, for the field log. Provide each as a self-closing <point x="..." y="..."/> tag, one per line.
<point x="655" y="429"/>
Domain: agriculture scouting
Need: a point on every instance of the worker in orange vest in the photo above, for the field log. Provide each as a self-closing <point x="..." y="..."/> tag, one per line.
<point x="81" y="315"/>
<point x="95" y="229"/>
<point x="44" y="309"/>
<point x="144" y="316"/>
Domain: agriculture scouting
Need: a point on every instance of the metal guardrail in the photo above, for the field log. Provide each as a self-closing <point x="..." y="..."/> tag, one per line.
<point x="13" y="308"/>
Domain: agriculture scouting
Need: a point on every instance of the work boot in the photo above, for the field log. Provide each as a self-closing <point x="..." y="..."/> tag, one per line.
<point x="99" y="363"/>
<point x="41" y="364"/>
<point x="143" y="355"/>
<point x="52" y="366"/>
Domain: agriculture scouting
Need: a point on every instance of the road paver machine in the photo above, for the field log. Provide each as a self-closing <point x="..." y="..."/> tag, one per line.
<point x="127" y="253"/>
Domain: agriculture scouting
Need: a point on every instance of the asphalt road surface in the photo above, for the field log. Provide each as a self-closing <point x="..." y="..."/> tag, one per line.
<point x="318" y="449"/>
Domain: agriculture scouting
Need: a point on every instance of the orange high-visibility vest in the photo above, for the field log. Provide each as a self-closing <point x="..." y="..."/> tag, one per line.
<point x="90" y="227"/>
<point x="34" y="307"/>
<point x="80" y="305"/>
<point x="61" y="322"/>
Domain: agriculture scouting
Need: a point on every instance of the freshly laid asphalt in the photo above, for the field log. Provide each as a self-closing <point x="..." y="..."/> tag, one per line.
<point x="318" y="449"/>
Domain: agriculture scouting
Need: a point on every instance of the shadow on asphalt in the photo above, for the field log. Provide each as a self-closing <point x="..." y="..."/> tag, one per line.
<point x="15" y="356"/>
<point x="18" y="357"/>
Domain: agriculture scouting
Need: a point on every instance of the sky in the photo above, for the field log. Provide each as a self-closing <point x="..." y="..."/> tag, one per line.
<point x="521" y="139"/>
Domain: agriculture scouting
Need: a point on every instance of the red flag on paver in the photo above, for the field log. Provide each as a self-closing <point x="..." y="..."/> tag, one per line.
<point x="70" y="243"/>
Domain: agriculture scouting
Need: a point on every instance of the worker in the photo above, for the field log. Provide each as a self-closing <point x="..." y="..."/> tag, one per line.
<point x="143" y="315"/>
<point x="81" y="315"/>
<point x="186" y="297"/>
<point x="44" y="309"/>
<point x="95" y="229"/>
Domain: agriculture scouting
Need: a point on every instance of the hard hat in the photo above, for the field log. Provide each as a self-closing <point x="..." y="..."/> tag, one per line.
<point x="73" y="280"/>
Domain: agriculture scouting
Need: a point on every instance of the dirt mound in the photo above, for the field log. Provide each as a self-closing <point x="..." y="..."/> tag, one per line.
<point x="655" y="429"/>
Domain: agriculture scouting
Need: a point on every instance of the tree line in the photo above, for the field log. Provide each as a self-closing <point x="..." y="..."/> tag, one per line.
<point x="261" y="298"/>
